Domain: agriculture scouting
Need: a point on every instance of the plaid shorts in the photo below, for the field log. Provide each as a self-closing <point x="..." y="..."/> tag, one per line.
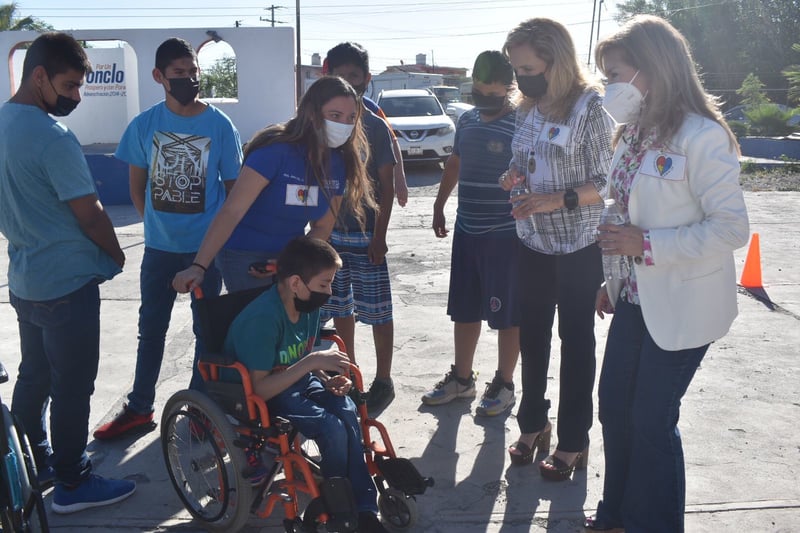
<point x="359" y="286"/>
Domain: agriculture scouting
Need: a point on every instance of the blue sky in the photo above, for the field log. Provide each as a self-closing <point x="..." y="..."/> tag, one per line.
<point x="453" y="32"/>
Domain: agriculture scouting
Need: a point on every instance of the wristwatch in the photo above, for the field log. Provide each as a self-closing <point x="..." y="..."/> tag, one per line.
<point x="570" y="199"/>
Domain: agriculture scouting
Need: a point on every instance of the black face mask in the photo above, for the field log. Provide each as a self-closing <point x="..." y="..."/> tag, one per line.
<point x="488" y="104"/>
<point x="184" y="90"/>
<point x="64" y="104"/>
<point x="360" y="89"/>
<point x="532" y="86"/>
<point x="314" y="302"/>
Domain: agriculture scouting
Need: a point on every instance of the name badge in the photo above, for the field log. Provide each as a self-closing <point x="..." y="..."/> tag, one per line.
<point x="663" y="165"/>
<point x="555" y="134"/>
<point x="302" y="195"/>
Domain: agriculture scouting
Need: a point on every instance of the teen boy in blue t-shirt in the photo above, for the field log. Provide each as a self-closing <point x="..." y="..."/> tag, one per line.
<point x="183" y="155"/>
<point x="362" y="289"/>
<point x="272" y="338"/>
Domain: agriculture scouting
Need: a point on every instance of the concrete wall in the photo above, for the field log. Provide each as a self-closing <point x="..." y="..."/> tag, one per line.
<point x="265" y="67"/>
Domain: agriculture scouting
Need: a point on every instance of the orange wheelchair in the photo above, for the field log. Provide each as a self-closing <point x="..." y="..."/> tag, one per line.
<point x="204" y="437"/>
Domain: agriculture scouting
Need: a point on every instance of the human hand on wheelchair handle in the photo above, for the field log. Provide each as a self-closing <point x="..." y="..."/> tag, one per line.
<point x="189" y="279"/>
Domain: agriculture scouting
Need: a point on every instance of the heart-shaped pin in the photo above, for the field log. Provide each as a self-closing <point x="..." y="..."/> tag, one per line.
<point x="553" y="133"/>
<point x="663" y="164"/>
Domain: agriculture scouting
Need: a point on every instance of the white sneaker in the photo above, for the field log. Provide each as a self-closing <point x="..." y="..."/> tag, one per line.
<point x="449" y="389"/>
<point x="496" y="399"/>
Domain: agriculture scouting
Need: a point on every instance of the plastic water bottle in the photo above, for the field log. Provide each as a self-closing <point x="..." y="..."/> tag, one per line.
<point x="525" y="227"/>
<point x="614" y="266"/>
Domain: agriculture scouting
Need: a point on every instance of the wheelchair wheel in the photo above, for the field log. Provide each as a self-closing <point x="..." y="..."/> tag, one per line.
<point x="23" y="507"/>
<point x="204" y="463"/>
<point x="398" y="511"/>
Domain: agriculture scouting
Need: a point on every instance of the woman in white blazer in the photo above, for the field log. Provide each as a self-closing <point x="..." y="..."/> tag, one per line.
<point x="676" y="171"/>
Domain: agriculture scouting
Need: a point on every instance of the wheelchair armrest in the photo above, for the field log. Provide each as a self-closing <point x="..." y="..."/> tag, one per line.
<point x="218" y="358"/>
<point x="325" y="332"/>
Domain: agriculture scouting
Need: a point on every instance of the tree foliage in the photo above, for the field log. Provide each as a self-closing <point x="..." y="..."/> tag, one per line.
<point x="732" y="38"/>
<point x="792" y="74"/>
<point x="220" y="80"/>
<point x="10" y="21"/>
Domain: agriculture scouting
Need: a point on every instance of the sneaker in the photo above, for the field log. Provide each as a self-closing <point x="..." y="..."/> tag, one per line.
<point x="450" y="388"/>
<point x="95" y="491"/>
<point x="497" y="398"/>
<point x="126" y="422"/>
<point x="369" y="523"/>
<point x="255" y="471"/>
<point x="380" y="395"/>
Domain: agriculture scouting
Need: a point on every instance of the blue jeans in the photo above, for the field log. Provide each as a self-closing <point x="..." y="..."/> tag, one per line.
<point x="333" y="423"/>
<point x="60" y="344"/>
<point x="640" y="393"/>
<point x="158" y="297"/>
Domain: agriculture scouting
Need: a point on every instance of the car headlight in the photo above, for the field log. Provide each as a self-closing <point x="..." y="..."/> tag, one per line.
<point x="445" y="130"/>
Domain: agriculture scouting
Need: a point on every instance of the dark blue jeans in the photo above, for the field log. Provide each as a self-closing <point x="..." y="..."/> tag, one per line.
<point x="333" y="423"/>
<point x="640" y="393"/>
<point x="566" y="283"/>
<point x="60" y="343"/>
<point x="158" y="298"/>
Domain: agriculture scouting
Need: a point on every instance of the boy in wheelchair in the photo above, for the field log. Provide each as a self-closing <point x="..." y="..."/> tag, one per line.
<point x="272" y="337"/>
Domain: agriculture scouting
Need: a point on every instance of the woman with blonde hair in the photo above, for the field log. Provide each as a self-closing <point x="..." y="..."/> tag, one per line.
<point x="294" y="174"/>
<point x="676" y="173"/>
<point x="561" y="150"/>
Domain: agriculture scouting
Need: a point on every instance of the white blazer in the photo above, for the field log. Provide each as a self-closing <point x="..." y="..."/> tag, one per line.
<point x="688" y="197"/>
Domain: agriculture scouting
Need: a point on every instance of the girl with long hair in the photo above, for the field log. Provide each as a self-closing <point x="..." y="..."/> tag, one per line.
<point x="294" y="174"/>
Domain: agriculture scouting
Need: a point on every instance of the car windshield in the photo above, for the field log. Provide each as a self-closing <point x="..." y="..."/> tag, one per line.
<point x="411" y="106"/>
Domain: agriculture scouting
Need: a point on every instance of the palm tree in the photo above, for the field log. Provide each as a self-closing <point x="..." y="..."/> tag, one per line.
<point x="9" y="21"/>
<point x="792" y="74"/>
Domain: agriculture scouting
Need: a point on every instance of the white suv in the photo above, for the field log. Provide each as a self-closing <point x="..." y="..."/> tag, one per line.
<point x="423" y="129"/>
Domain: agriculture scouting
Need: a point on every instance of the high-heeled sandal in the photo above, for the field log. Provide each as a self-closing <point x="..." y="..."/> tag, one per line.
<point x="526" y="453"/>
<point x="555" y="469"/>
<point x="593" y="524"/>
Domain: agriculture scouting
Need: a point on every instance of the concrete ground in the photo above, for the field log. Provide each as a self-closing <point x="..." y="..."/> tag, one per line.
<point x="739" y="419"/>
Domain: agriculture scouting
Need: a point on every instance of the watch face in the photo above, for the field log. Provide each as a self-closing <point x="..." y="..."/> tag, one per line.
<point x="570" y="199"/>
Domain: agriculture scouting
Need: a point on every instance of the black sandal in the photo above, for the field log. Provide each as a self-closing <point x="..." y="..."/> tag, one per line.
<point x="526" y="453"/>
<point x="555" y="469"/>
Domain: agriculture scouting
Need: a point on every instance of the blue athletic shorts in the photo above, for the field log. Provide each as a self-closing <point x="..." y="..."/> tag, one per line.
<point x="359" y="286"/>
<point x="482" y="274"/>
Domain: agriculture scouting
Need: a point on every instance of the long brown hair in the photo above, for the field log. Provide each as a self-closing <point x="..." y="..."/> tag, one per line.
<point x="307" y="128"/>
<point x="552" y="43"/>
<point x="655" y="48"/>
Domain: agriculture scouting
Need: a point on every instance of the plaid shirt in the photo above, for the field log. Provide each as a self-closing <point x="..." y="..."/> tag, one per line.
<point x="564" y="155"/>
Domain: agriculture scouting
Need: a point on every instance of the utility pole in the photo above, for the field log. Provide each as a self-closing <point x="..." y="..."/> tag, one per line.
<point x="271" y="18"/>
<point x="591" y="33"/>
<point x="298" y="78"/>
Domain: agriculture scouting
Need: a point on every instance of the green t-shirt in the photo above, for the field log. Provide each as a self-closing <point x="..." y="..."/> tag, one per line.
<point x="262" y="337"/>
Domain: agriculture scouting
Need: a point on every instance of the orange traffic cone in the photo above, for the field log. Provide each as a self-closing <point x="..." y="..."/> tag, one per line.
<point x="751" y="275"/>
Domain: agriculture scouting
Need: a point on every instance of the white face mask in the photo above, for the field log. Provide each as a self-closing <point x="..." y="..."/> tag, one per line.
<point x="337" y="133"/>
<point x="623" y="101"/>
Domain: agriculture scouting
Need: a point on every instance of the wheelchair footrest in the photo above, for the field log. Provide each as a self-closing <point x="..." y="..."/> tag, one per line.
<point x="402" y="475"/>
<point x="338" y="502"/>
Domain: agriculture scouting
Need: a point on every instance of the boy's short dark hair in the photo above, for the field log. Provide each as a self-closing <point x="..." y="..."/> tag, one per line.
<point x="347" y="54"/>
<point x="306" y="257"/>
<point x="57" y="52"/>
<point x="493" y="66"/>
<point x="172" y="49"/>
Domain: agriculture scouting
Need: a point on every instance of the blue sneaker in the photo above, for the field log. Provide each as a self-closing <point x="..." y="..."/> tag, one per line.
<point x="95" y="491"/>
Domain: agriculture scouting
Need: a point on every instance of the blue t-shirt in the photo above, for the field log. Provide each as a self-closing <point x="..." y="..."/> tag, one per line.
<point x="290" y="200"/>
<point x="484" y="150"/>
<point x="380" y="154"/>
<point x="42" y="169"/>
<point x="187" y="159"/>
<point x="262" y="337"/>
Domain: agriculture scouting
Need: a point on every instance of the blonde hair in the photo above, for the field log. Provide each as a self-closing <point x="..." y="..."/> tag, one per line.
<point x="307" y="128"/>
<point x="654" y="47"/>
<point x="552" y="43"/>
